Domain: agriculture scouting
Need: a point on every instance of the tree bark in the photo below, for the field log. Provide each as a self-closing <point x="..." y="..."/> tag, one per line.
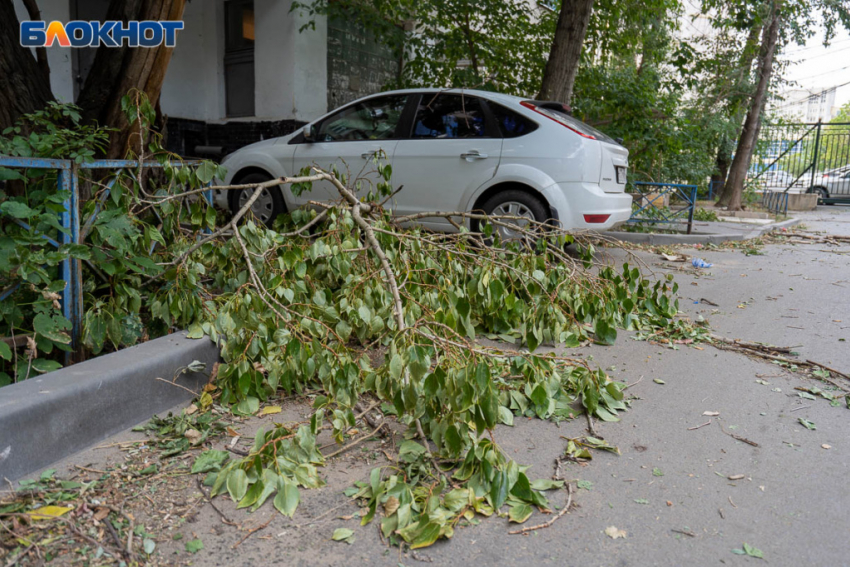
<point x="747" y="141"/>
<point x="565" y="55"/>
<point x="116" y="71"/>
<point x="737" y="108"/>
<point x="24" y="86"/>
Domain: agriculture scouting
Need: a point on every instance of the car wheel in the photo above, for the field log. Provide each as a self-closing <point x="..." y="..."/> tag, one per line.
<point x="516" y="203"/>
<point x="267" y="206"/>
<point x="822" y="194"/>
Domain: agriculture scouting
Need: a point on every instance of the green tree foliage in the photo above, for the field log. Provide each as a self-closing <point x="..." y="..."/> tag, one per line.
<point x="123" y="243"/>
<point x="488" y="44"/>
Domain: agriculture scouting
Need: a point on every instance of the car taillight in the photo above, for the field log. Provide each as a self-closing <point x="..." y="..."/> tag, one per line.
<point x="554" y="116"/>
<point x="595" y="219"/>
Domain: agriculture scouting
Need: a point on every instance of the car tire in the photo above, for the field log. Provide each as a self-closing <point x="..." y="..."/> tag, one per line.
<point x="267" y="206"/>
<point x="514" y="202"/>
<point x="822" y="194"/>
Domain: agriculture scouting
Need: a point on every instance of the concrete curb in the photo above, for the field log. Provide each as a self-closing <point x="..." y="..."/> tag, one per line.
<point x="659" y="239"/>
<point x="50" y="417"/>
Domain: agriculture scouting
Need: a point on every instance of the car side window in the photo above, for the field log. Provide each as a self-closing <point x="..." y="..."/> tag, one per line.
<point x="449" y="116"/>
<point x="373" y="119"/>
<point x="511" y="124"/>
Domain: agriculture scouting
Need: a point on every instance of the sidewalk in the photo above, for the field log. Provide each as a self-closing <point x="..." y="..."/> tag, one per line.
<point x="704" y="232"/>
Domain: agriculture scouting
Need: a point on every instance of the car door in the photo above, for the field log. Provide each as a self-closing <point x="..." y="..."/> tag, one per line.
<point x="348" y="140"/>
<point x="452" y="147"/>
<point x="843" y="185"/>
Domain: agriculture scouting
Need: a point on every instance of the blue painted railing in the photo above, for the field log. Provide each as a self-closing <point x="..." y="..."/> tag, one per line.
<point x="649" y="201"/>
<point x="68" y="180"/>
<point x="775" y="201"/>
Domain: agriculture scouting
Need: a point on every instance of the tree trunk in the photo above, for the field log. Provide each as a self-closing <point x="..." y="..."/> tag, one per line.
<point x="737" y="107"/>
<point x="564" y="58"/>
<point x="746" y="143"/>
<point x="116" y="71"/>
<point x="24" y="87"/>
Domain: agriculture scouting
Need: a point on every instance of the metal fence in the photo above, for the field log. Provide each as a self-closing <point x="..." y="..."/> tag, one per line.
<point x="68" y="179"/>
<point x="669" y="203"/>
<point x="802" y="158"/>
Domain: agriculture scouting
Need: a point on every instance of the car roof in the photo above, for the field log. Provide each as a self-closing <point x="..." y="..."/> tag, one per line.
<point x="498" y="97"/>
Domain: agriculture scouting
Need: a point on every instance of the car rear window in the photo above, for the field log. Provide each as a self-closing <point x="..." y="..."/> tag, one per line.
<point x="573" y="123"/>
<point x="511" y="124"/>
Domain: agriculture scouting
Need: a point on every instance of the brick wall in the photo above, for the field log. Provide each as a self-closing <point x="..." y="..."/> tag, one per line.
<point x="185" y="135"/>
<point x="357" y="64"/>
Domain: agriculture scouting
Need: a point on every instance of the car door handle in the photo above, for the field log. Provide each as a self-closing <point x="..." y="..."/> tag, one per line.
<point x="473" y="155"/>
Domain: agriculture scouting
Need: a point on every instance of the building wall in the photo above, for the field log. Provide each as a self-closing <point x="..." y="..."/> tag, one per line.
<point x="290" y="67"/>
<point x="357" y="65"/>
<point x="194" y="83"/>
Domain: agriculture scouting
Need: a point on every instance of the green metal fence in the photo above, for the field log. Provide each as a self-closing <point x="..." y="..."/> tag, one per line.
<point x="802" y="158"/>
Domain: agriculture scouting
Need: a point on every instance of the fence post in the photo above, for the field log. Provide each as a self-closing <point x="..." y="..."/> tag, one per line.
<point x="814" y="165"/>
<point x="76" y="266"/>
<point x="693" y="206"/>
<point x="64" y="184"/>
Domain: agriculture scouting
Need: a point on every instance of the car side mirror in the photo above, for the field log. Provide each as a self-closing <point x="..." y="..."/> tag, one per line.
<point x="309" y="132"/>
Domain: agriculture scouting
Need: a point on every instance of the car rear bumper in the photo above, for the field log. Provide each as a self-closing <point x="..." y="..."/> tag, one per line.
<point x="583" y="206"/>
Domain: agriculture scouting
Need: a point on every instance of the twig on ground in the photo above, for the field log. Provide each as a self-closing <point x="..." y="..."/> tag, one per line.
<point x="737" y="437"/>
<point x="224" y="518"/>
<point x="82" y="468"/>
<point x="698" y="426"/>
<point x="590" y="428"/>
<point x="352" y="444"/>
<point x="195" y="394"/>
<point x="252" y="531"/>
<point x="563" y="511"/>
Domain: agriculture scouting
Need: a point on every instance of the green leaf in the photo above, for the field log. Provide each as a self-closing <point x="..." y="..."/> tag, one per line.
<point x="396" y="366"/>
<point x="520" y="513"/>
<point x="287" y="498"/>
<point x="48" y="327"/>
<point x="195" y="331"/>
<point x="753" y="551"/>
<point x="149" y="545"/>
<point x="210" y="461"/>
<point x="342" y="534"/>
<point x="585" y="484"/>
<point x="807" y="424"/>
<point x="605" y="333"/>
<point x="499" y="489"/>
<point x="205" y="171"/>
<point x="194" y="546"/>
<point x="657" y="472"/>
<point x="237" y="484"/>
<point x="42" y="365"/>
<point x="506" y="416"/>
<point x="641" y="501"/>
<point x="429" y="534"/>
<point x="546" y="484"/>
<point x="16" y="209"/>
<point x="5" y="351"/>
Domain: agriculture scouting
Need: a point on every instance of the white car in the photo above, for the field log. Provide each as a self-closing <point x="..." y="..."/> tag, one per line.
<point x="450" y="150"/>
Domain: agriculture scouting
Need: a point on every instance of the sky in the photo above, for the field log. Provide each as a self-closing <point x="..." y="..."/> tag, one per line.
<point x="816" y="66"/>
